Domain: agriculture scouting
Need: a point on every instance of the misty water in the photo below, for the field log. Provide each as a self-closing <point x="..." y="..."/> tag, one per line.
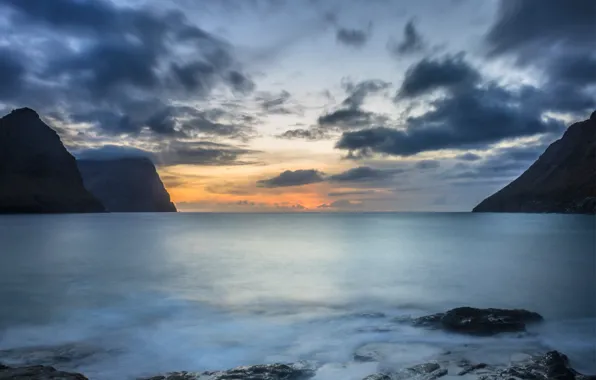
<point x="117" y="296"/>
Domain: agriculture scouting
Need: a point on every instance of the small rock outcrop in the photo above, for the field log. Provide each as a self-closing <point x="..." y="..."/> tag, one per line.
<point x="129" y="184"/>
<point x="469" y="320"/>
<point x="427" y="371"/>
<point x="37" y="372"/>
<point x="552" y="365"/>
<point x="562" y="180"/>
<point x="255" y="372"/>
<point x="37" y="173"/>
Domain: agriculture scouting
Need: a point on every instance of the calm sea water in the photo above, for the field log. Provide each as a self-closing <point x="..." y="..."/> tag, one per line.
<point x="123" y="295"/>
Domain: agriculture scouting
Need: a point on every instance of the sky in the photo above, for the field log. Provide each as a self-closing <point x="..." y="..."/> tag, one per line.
<point x="306" y="105"/>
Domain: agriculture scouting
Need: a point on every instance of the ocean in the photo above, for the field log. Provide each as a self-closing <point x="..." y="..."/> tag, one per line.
<point x="120" y="296"/>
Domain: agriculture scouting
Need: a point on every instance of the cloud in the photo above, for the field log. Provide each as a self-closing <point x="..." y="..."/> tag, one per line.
<point x="412" y="41"/>
<point x="203" y="153"/>
<point x="312" y="134"/>
<point x="350" y="115"/>
<point x="277" y="103"/>
<point x="555" y="38"/>
<point x="341" y="204"/>
<point x="468" y="157"/>
<point x="353" y="37"/>
<point x="351" y="192"/>
<point x="123" y="68"/>
<point x="362" y="173"/>
<point x="500" y="164"/>
<point x="474" y="118"/>
<point x="470" y="114"/>
<point x="525" y="28"/>
<point x="292" y="178"/>
<point x="111" y="152"/>
<point x="12" y="71"/>
<point x="429" y="74"/>
<point x="428" y="164"/>
<point x="358" y="92"/>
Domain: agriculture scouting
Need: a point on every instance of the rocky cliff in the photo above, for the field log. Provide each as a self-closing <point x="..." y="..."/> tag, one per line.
<point x="562" y="180"/>
<point x="37" y="174"/>
<point x="126" y="185"/>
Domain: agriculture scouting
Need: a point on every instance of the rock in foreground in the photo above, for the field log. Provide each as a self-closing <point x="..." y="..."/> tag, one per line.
<point x="256" y="372"/>
<point x="37" y="373"/>
<point x="562" y="180"/>
<point x="129" y="184"/>
<point x="37" y="174"/>
<point x="469" y="320"/>
<point x="552" y="365"/>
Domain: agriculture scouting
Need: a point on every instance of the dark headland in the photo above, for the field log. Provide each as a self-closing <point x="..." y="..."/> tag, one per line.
<point x="562" y="180"/>
<point x="38" y="175"/>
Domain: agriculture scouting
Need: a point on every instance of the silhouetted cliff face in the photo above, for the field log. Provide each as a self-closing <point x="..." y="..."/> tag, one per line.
<point x="562" y="180"/>
<point x="37" y="174"/>
<point x="126" y="185"/>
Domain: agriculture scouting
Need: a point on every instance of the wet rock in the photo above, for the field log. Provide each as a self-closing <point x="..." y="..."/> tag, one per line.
<point x="552" y="365"/>
<point x="426" y="371"/>
<point x="377" y="376"/>
<point x="37" y="373"/>
<point x="256" y="372"/>
<point x="471" y="368"/>
<point x="469" y="320"/>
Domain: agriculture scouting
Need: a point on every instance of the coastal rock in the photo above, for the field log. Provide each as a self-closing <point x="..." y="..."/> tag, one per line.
<point x="469" y="320"/>
<point x="562" y="180"/>
<point x="129" y="184"/>
<point x="552" y="365"/>
<point x="255" y="372"/>
<point x="38" y="372"/>
<point x="426" y="371"/>
<point x="37" y="173"/>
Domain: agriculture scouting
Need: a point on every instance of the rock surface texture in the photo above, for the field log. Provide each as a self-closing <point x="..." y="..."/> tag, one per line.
<point x="37" y="174"/>
<point x="126" y="185"/>
<point x="37" y="372"/>
<point x="470" y="320"/>
<point x="562" y="180"/>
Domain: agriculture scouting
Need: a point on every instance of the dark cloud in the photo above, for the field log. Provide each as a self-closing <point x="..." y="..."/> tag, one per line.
<point x="358" y="92"/>
<point x="500" y="164"/>
<point x="362" y="173"/>
<point x="555" y="37"/>
<point x="412" y="41"/>
<point x="312" y="134"/>
<point x="350" y="115"/>
<point x="123" y="68"/>
<point x="470" y="114"/>
<point x="429" y="74"/>
<point x="428" y="164"/>
<point x="12" y="70"/>
<point x="175" y="153"/>
<point x="202" y="153"/>
<point x="167" y="121"/>
<point x="475" y="118"/>
<point x="348" y="118"/>
<point x="281" y="104"/>
<point x="353" y="37"/>
<point x="468" y="157"/>
<point x="351" y="193"/>
<point x="293" y="178"/>
<point x="525" y="28"/>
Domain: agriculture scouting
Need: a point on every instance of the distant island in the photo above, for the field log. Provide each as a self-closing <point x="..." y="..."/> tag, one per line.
<point x="39" y="175"/>
<point x="562" y="180"/>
